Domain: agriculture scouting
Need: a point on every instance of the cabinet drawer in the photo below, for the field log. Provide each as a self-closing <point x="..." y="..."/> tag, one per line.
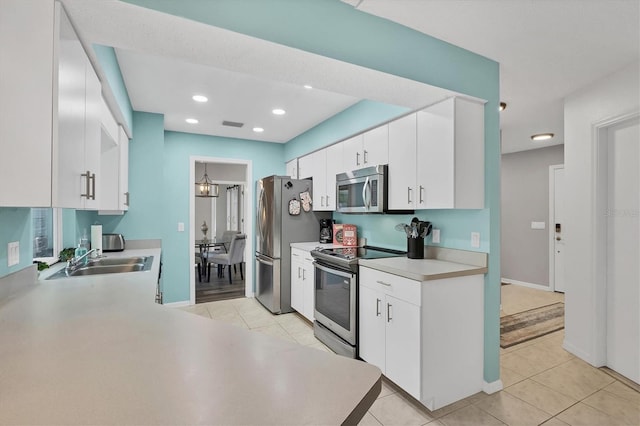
<point x="298" y="254"/>
<point x="399" y="287"/>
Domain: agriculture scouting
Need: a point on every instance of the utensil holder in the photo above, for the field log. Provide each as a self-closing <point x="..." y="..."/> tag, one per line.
<point x="415" y="248"/>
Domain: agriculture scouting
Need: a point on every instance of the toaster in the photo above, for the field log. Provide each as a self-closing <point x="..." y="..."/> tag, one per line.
<point x="112" y="242"/>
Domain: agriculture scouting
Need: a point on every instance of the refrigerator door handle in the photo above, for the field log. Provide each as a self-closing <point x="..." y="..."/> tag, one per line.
<point x="263" y="260"/>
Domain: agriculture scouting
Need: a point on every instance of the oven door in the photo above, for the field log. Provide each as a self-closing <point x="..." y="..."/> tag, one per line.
<point x="335" y="300"/>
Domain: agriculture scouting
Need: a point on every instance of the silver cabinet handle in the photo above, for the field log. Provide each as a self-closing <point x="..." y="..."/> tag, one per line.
<point x="378" y="307"/>
<point x="421" y="194"/>
<point x="383" y="283"/>
<point x="366" y="160"/>
<point x="327" y="201"/>
<point x="93" y="186"/>
<point x="303" y="276"/>
<point x="322" y="201"/>
<point x="357" y="158"/>
<point x="126" y="203"/>
<point x="409" y="194"/>
<point x="299" y="272"/>
<point x="389" y="312"/>
<point x="87" y="183"/>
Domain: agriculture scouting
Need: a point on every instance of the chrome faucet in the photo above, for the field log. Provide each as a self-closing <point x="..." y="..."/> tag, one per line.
<point x="75" y="261"/>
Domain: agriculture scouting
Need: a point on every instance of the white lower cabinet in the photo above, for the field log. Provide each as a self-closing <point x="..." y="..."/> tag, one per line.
<point x="427" y="337"/>
<point x="302" y="283"/>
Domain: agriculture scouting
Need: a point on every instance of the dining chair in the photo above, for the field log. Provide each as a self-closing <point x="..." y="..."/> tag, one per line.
<point x="234" y="256"/>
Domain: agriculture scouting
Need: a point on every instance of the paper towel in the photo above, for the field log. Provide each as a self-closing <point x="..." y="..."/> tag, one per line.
<point x="96" y="239"/>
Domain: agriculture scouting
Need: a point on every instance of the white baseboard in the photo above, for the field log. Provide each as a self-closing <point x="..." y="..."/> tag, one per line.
<point x="579" y="353"/>
<point x="177" y="304"/>
<point x="492" y="387"/>
<point x="526" y="284"/>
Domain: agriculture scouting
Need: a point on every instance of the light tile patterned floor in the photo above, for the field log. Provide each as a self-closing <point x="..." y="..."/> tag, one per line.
<point x="543" y="383"/>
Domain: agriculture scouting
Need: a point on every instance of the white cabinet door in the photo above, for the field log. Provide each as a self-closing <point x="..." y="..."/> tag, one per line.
<point x="292" y="168"/>
<point x="305" y="166"/>
<point x="92" y="134"/>
<point x="109" y="188"/>
<point x="371" y="326"/>
<point x="334" y="166"/>
<point x="375" y="146"/>
<point x="402" y="346"/>
<point x="320" y="180"/>
<point x="308" y="283"/>
<point x="403" y="193"/>
<point x="297" y="289"/>
<point x="352" y="154"/>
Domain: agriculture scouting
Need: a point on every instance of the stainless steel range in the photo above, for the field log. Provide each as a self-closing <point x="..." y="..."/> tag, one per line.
<point x="336" y="294"/>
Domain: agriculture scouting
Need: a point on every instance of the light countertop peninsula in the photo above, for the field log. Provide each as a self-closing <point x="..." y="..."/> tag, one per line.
<point x="98" y="350"/>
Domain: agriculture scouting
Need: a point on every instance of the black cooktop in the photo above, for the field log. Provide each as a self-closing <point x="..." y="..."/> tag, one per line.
<point x="364" y="252"/>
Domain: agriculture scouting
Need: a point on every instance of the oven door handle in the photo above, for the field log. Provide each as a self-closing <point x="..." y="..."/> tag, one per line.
<point x="334" y="271"/>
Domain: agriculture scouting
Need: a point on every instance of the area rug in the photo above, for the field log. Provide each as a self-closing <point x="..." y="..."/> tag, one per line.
<point x="531" y="324"/>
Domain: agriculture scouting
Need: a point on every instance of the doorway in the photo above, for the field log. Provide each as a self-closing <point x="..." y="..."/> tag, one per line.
<point x="618" y="243"/>
<point x="556" y="224"/>
<point x="233" y="178"/>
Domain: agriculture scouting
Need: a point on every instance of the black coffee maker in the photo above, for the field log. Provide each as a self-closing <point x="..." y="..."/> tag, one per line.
<point x="326" y="230"/>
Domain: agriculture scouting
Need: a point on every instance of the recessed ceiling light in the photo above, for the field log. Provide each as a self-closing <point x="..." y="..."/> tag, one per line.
<point x="258" y="129"/>
<point x="308" y="86"/>
<point x="542" y="136"/>
<point x="503" y="106"/>
<point x="191" y="121"/>
<point x="279" y="111"/>
<point x="199" y="98"/>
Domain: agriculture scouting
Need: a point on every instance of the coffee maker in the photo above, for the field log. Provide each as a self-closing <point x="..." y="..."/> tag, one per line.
<point x="326" y="230"/>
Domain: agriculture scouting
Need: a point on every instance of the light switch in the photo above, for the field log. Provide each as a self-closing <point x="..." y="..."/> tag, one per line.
<point x="13" y="253"/>
<point x="475" y="239"/>
<point x="180" y="226"/>
<point x="435" y="235"/>
<point x="538" y="225"/>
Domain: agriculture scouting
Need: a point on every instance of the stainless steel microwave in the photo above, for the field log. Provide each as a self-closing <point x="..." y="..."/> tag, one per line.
<point x="362" y="190"/>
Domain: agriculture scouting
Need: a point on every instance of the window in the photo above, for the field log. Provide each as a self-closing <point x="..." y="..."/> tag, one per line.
<point x="47" y="234"/>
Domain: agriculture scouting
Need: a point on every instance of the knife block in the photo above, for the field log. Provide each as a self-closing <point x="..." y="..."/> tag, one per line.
<point x="415" y="248"/>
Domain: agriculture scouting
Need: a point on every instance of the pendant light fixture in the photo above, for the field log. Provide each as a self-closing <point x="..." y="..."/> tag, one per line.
<point x="205" y="186"/>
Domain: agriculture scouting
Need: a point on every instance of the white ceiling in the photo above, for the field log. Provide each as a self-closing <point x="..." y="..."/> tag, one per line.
<point x="547" y="49"/>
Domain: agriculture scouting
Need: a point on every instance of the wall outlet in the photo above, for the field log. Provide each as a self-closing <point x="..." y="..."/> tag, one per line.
<point x="180" y="226"/>
<point x="13" y="253"/>
<point x="435" y="235"/>
<point x="475" y="239"/>
<point x="538" y="225"/>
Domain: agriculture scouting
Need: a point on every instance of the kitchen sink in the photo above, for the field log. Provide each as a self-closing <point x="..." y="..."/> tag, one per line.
<point x="107" y="265"/>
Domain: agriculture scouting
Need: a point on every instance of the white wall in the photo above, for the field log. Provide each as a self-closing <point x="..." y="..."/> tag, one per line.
<point x="524" y="176"/>
<point x="615" y="95"/>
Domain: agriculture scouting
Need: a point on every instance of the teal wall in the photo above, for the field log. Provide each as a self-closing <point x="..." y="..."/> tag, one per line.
<point x="145" y="219"/>
<point x="355" y="119"/>
<point x="266" y="159"/>
<point x="109" y="64"/>
<point x="15" y="225"/>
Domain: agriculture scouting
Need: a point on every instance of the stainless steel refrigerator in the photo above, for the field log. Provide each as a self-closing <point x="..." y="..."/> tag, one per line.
<point x="277" y="226"/>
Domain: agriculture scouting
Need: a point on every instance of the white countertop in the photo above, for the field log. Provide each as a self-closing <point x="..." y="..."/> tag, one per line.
<point x="308" y="246"/>
<point x="422" y="269"/>
<point x="98" y="350"/>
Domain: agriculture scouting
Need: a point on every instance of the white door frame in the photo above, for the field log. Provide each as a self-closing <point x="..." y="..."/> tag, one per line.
<point x="248" y="203"/>
<point x="552" y="225"/>
<point x="599" y="260"/>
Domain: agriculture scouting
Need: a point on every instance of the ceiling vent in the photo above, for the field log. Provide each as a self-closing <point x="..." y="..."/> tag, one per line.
<point x="232" y="124"/>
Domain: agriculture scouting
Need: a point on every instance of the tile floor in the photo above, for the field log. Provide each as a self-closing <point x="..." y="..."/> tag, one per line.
<point x="543" y="384"/>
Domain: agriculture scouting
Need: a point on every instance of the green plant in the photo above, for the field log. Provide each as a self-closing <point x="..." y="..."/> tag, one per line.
<point x="41" y="265"/>
<point x="66" y="254"/>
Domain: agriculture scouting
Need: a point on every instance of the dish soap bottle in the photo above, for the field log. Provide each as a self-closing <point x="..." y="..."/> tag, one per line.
<point x="81" y="250"/>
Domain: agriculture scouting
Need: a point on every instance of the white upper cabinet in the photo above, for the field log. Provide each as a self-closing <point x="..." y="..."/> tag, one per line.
<point x="319" y="175"/>
<point x="123" y="145"/>
<point x="367" y="149"/>
<point x="292" y="168"/>
<point x="403" y="163"/>
<point x="334" y="155"/>
<point x="49" y="110"/>
<point x="436" y="157"/>
<point x="305" y="166"/>
<point x="450" y="152"/>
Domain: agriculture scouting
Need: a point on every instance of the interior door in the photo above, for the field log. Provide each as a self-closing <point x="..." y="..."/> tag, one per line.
<point x="623" y="249"/>
<point x="558" y="224"/>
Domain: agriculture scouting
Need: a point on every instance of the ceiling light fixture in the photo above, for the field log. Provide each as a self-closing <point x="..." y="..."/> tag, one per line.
<point x="199" y="98"/>
<point x="308" y="86"/>
<point x="191" y="121"/>
<point x="205" y="186"/>
<point x="279" y="111"/>
<point x="503" y="106"/>
<point x="258" y="129"/>
<point x="542" y="136"/>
